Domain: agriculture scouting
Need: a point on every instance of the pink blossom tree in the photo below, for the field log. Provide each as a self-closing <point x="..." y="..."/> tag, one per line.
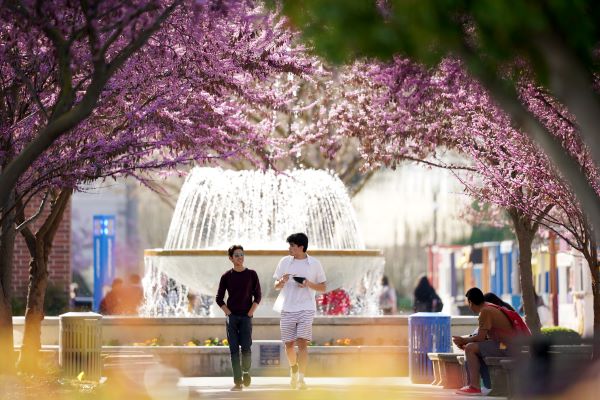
<point x="185" y="93"/>
<point x="488" y="36"/>
<point x="306" y="131"/>
<point x="426" y="112"/>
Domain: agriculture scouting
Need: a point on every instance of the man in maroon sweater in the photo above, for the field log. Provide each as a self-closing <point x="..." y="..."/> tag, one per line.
<point x="243" y="296"/>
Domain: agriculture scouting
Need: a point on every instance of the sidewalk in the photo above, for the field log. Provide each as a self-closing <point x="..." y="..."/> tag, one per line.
<point x="318" y="388"/>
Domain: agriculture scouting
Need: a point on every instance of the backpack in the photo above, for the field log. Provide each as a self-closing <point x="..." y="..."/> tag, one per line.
<point x="515" y="319"/>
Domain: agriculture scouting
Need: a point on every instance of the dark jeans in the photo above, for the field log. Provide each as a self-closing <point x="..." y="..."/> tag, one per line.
<point x="239" y="334"/>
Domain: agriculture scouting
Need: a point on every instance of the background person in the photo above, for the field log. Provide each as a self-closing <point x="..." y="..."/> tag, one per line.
<point x="425" y="297"/>
<point x="243" y="296"/>
<point x="133" y="295"/>
<point x="112" y="303"/>
<point x="493" y="338"/>
<point x="387" y="297"/>
<point x="490" y="297"/>
<point x="484" y="371"/>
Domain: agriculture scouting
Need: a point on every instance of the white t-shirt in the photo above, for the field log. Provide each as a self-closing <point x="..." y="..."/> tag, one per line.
<point x="292" y="297"/>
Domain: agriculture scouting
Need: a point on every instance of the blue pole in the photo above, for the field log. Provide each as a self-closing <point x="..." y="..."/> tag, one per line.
<point x="104" y="266"/>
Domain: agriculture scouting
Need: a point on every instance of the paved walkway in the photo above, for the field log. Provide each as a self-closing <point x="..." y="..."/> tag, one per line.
<point x="318" y="388"/>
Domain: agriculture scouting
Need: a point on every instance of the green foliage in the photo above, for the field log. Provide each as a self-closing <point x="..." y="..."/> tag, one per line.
<point x="561" y="335"/>
<point x="56" y="300"/>
<point x="404" y="304"/>
<point x="428" y="30"/>
<point x="18" y="306"/>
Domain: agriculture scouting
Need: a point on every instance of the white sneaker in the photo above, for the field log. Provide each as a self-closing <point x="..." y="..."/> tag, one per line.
<point x="293" y="380"/>
<point x="301" y="384"/>
<point x="485" y="391"/>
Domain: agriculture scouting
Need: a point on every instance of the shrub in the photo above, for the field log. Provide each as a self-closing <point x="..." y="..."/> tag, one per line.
<point x="56" y="301"/>
<point x="18" y="306"/>
<point x="561" y="335"/>
<point x="405" y="304"/>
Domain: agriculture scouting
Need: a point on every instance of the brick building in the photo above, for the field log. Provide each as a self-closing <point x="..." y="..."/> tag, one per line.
<point x="59" y="262"/>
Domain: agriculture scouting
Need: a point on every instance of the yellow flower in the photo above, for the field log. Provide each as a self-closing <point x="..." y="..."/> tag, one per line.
<point x="225" y="342"/>
<point x="190" y="343"/>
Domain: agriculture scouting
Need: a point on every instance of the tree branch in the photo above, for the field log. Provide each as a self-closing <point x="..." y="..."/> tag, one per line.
<point x="35" y="216"/>
<point x="506" y="97"/>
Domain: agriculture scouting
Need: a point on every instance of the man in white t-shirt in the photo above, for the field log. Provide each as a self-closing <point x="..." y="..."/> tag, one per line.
<point x="298" y="276"/>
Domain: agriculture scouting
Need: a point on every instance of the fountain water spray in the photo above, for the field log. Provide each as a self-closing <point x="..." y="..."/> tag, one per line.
<point x="217" y="208"/>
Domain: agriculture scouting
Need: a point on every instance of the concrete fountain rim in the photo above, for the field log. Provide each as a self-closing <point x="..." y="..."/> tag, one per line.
<point x="214" y="252"/>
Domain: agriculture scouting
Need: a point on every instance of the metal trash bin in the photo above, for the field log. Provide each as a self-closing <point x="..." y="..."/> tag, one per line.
<point x="80" y="345"/>
<point x="427" y="333"/>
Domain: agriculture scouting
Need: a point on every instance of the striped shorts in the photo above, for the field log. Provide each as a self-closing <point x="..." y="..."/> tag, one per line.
<point x="296" y="325"/>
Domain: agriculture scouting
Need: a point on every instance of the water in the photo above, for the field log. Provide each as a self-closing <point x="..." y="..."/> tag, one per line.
<point x="217" y="208"/>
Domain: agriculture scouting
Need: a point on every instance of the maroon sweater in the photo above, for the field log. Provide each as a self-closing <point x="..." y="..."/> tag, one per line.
<point x="243" y="289"/>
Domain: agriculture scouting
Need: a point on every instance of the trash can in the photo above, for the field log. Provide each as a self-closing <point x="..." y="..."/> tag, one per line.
<point x="428" y="333"/>
<point x="80" y="345"/>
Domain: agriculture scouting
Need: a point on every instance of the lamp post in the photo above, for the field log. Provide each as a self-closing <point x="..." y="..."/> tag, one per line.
<point x="104" y="265"/>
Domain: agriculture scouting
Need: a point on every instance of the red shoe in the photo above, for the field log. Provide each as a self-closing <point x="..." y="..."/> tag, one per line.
<point x="469" y="391"/>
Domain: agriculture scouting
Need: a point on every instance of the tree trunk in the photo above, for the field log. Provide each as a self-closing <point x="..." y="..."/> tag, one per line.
<point x="7" y="244"/>
<point x="595" y="272"/>
<point x="39" y="247"/>
<point x="525" y="234"/>
<point x="34" y="314"/>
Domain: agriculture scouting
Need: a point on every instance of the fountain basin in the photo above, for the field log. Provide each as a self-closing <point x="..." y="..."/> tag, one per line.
<point x="357" y="271"/>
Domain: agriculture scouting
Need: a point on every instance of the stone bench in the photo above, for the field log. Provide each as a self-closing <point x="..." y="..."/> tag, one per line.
<point x="583" y="352"/>
<point x="437" y="370"/>
<point x="502" y="370"/>
<point x="128" y="367"/>
<point x="498" y="375"/>
<point x="446" y="370"/>
<point x="565" y="360"/>
<point x="463" y="369"/>
<point x="128" y="360"/>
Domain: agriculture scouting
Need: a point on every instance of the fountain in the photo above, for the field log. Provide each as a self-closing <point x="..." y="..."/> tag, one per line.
<point x="217" y="208"/>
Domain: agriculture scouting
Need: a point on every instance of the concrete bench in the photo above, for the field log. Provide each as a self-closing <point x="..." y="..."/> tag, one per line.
<point x="446" y="370"/>
<point x="564" y="364"/>
<point x="463" y="369"/>
<point x="437" y="370"/>
<point x="509" y="366"/>
<point x="498" y="375"/>
<point x="452" y="375"/>
<point x="132" y="360"/>
<point x="128" y="366"/>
